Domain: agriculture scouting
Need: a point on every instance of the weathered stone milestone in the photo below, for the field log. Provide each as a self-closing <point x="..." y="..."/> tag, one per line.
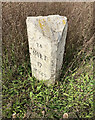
<point x="46" y="37"/>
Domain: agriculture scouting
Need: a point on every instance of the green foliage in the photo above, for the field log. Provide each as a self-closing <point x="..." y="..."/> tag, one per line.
<point x="73" y="92"/>
<point x="66" y="96"/>
<point x="24" y="95"/>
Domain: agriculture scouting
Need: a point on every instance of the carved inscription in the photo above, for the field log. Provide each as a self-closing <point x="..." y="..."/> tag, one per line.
<point x="39" y="65"/>
<point x="38" y="54"/>
<point x="39" y="45"/>
<point x="41" y="73"/>
<point x="52" y="64"/>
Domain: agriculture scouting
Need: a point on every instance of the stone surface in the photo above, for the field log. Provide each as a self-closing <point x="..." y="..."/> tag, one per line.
<point x="46" y="37"/>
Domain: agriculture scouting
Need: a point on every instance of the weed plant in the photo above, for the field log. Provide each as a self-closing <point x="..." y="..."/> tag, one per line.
<point x="26" y="96"/>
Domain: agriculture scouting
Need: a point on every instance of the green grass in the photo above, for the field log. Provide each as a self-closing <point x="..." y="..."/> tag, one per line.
<point x="73" y="92"/>
<point x="24" y="95"/>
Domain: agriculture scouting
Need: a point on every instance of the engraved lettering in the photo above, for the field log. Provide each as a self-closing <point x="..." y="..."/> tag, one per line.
<point x="39" y="45"/>
<point x="45" y="58"/>
<point x="39" y="55"/>
<point x="52" y="62"/>
<point x="39" y="64"/>
<point x="34" y="52"/>
<point x="41" y="73"/>
<point x="35" y="69"/>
